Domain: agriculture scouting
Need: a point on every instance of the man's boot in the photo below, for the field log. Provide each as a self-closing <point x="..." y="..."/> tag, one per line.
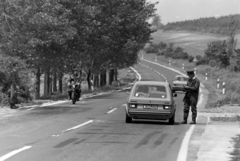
<point x="193" y="121"/>
<point x="184" y="122"/>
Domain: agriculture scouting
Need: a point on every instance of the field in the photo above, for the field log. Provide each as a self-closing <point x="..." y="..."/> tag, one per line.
<point x="193" y="43"/>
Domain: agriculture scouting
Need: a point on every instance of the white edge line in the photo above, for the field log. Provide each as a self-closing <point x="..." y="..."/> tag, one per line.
<point x="139" y="76"/>
<point x="14" y="153"/>
<point x="182" y="155"/>
<point x="112" y="110"/>
<point x="78" y="126"/>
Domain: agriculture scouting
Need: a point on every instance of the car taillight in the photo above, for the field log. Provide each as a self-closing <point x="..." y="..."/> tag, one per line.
<point x="166" y="107"/>
<point x="132" y="105"/>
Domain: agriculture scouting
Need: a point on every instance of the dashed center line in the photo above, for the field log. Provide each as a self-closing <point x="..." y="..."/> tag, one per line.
<point x="78" y="126"/>
<point x="112" y="110"/>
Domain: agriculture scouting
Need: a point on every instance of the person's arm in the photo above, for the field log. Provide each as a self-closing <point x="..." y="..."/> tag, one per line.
<point x="195" y="87"/>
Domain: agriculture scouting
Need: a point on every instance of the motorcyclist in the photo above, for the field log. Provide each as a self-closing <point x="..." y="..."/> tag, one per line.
<point x="74" y="79"/>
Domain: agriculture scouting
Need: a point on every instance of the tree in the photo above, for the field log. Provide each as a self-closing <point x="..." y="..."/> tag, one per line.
<point x="156" y="22"/>
<point x="36" y="31"/>
<point x="217" y="50"/>
<point x="231" y="43"/>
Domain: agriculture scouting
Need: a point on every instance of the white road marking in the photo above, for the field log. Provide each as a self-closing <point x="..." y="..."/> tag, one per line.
<point x="78" y="126"/>
<point x="8" y="115"/>
<point x="14" y="153"/>
<point x="182" y="155"/>
<point x="112" y="110"/>
<point x="53" y="103"/>
<point x="139" y="76"/>
<point x="124" y="105"/>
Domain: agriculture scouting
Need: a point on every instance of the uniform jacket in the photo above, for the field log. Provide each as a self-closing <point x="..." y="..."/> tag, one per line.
<point x="193" y="90"/>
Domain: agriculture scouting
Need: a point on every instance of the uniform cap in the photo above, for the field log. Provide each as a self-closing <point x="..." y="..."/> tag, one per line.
<point x="190" y="69"/>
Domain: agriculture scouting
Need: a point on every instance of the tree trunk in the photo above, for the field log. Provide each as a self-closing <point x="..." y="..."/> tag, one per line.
<point x="96" y="81"/>
<point x="60" y="76"/>
<point x="54" y="81"/>
<point x="37" y="84"/>
<point x="115" y="74"/>
<point x="111" y="76"/>
<point x="46" y="83"/>
<point x="107" y="77"/>
<point x="13" y="96"/>
<point x="50" y="82"/>
<point x="99" y="80"/>
<point x="89" y="79"/>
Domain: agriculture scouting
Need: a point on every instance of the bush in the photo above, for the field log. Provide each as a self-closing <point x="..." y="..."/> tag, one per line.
<point x="202" y="61"/>
<point x="152" y="48"/>
<point x="190" y="58"/>
<point x="4" y="100"/>
<point x="198" y="57"/>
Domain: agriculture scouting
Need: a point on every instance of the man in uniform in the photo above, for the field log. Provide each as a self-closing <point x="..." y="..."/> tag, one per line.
<point x="191" y="96"/>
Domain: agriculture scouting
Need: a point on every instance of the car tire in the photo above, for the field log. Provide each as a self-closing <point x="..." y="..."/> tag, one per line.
<point x="172" y="119"/>
<point x="128" y="119"/>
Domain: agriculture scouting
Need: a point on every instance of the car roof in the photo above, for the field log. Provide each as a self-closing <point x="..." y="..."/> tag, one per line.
<point x="152" y="83"/>
<point x="181" y="76"/>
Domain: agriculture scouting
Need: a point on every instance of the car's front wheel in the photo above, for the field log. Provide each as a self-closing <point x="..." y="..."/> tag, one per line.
<point x="172" y="119"/>
<point x="128" y="119"/>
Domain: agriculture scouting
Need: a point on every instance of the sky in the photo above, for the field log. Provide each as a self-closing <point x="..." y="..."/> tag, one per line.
<point x="180" y="10"/>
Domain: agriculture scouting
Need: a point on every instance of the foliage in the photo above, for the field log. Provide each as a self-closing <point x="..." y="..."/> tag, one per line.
<point x="156" y="22"/>
<point x="168" y="50"/>
<point x="57" y="35"/>
<point x="217" y="50"/>
<point x="190" y="58"/>
<point x="202" y="60"/>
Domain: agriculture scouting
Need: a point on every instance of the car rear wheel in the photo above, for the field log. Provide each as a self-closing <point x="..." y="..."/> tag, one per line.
<point x="172" y="119"/>
<point x="128" y="119"/>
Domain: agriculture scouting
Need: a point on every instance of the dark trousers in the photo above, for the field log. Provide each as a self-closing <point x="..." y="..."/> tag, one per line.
<point x="191" y="102"/>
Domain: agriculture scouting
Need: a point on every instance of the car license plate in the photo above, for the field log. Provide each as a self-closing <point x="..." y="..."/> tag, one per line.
<point x="179" y="85"/>
<point x="150" y="106"/>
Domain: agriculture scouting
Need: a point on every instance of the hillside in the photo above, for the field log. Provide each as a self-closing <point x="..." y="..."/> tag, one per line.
<point x="193" y="43"/>
<point x="205" y="25"/>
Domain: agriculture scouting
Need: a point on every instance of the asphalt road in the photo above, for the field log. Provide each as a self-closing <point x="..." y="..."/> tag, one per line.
<point x="92" y="129"/>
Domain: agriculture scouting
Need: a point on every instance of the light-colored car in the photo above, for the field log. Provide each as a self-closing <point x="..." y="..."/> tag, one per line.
<point x="152" y="100"/>
<point x="179" y="82"/>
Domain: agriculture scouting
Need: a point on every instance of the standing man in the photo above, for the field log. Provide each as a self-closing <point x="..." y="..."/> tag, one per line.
<point x="191" y="96"/>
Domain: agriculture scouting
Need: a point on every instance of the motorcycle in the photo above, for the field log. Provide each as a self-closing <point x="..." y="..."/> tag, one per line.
<point x="75" y="92"/>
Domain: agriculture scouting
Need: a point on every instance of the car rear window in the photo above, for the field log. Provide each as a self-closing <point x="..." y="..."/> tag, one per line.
<point x="181" y="79"/>
<point x="150" y="91"/>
